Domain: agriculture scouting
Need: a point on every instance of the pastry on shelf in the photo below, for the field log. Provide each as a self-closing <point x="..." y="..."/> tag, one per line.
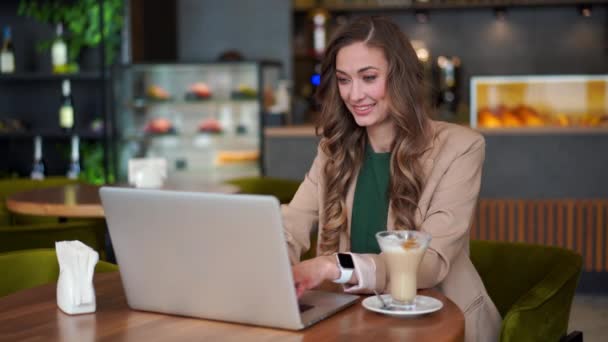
<point x="231" y="157"/>
<point x="157" y="93"/>
<point x="488" y="119"/>
<point x="159" y="126"/>
<point x="509" y="119"/>
<point x="562" y="120"/>
<point x="210" y="125"/>
<point x="244" y="92"/>
<point x="529" y="116"/>
<point x="198" y="91"/>
<point x="591" y="120"/>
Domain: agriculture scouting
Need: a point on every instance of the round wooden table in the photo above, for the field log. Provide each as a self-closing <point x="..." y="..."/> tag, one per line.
<point x="33" y="314"/>
<point x="82" y="200"/>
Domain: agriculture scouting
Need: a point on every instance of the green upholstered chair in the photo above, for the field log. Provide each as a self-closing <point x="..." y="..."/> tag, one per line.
<point x="531" y="285"/>
<point x="44" y="235"/>
<point x="28" y="268"/>
<point x="28" y="232"/>
<point x="282" y="189"/>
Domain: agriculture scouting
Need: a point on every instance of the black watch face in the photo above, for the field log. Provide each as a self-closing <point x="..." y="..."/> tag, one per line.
<point x="346" y="260"/>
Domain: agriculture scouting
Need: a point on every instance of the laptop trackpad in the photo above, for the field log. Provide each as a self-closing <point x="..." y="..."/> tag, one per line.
<point x="323" y="304"/>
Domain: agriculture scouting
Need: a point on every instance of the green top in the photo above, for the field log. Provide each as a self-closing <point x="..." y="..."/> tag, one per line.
<point x="370" y="205"/>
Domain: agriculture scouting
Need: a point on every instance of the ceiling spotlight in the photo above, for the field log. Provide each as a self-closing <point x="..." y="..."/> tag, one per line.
<point x="585" y="10"/>
<point x="422" y="16"/>
<point x="500" y="13"/>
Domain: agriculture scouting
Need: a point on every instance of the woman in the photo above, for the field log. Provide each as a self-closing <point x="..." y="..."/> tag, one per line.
<point x="382" y="164"/>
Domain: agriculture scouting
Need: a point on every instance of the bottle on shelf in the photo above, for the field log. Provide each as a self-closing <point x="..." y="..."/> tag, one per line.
<point x="7" y="54"/>
<point x="59" y="52"/>
<point x="320" y="20"/>
<point x="38" y="168"/>
<point x="74" y="167"/>
<point x="66" y="110"/>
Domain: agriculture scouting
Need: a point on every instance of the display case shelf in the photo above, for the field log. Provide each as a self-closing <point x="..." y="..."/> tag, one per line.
<point x="217" y="137"/>
<point x="548" y="101"/>
<point x="42" y="76"/>
<point x="51" y="134"/>
<point x="141" y="103"/>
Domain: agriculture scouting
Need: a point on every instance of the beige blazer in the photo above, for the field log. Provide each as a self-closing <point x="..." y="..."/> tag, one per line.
<point x="452" y="169"/>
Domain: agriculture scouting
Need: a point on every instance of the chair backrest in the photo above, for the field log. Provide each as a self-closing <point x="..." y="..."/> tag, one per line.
<point x="11" y="186"/>
<point x="574" y="223"/>
<point x="28" y="268"/>
<point x="510" y="270"/>
<point x="35" y="236"/>
<point x="282" y="189"/>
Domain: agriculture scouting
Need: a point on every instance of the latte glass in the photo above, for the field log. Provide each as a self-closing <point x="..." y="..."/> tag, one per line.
<point x="403" y="250"/>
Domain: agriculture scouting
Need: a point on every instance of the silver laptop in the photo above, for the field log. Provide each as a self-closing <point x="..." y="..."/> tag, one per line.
<point x="213" y="256"/>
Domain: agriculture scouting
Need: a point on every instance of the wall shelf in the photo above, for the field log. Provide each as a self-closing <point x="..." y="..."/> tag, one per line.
<point x="50" y="134"/>
<point x="45" y="76"/>
<point x="379" y="5"/>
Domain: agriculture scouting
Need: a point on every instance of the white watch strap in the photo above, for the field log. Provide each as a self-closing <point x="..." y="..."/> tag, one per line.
<point x="345" y="275"/>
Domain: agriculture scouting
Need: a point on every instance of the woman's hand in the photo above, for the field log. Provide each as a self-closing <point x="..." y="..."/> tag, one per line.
<point x="311" y="273"/>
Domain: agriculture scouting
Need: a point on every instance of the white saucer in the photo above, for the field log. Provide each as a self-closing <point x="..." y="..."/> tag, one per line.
<point x="424" y="305"/>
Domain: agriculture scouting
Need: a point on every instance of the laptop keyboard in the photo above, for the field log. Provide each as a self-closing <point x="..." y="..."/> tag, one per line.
<point x="305" y="307"/>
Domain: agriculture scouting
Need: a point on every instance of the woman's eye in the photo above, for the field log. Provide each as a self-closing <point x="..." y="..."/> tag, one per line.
<point x="369" y="78"/>
<point x="342" y="80"/>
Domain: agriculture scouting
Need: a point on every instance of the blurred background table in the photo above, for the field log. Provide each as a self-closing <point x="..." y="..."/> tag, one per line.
<point x="82" y="200"/>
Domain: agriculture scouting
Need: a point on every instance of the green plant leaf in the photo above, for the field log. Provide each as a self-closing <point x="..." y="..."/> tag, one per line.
<point x="44" y="45"/>
<point x="82" y="22"/>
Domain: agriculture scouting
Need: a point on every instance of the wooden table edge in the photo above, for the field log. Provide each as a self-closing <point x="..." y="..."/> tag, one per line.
<point x="62" y="210"/>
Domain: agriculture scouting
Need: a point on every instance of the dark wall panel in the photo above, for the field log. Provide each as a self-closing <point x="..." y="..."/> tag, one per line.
<point x="531" y="40"/>
<point x="522" y="166"/>
<point x="545" y="166"/>
<point x="259" y="29"/>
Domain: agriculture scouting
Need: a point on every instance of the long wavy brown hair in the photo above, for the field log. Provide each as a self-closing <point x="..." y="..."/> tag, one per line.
<point x="343" y="141"/>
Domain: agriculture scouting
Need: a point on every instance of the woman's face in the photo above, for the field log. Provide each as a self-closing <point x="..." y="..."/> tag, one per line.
<point x="361" y="73"/>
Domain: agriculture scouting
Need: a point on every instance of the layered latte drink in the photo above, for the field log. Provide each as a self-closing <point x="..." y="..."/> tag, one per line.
<point x="403" y="251"/>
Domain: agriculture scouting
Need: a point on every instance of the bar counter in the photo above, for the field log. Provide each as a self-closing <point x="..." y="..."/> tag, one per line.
<point x="524" y="163"/>
<point x="309" y="130"/>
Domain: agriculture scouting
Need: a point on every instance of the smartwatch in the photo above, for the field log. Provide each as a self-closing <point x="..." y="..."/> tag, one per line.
<point x="346" y="266"/>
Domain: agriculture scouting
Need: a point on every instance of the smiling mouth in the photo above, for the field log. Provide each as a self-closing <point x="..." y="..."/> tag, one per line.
<point x="362" y="110"/>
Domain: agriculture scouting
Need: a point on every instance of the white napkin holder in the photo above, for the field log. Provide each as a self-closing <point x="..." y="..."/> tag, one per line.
<point x="75" y="292"/>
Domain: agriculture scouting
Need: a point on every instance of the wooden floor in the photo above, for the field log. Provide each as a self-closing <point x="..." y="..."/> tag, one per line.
<point x="589" y="314"/>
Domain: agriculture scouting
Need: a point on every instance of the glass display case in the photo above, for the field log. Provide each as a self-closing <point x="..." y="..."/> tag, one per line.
<point x="535" y="101"/>
<point x="204" y="119"/>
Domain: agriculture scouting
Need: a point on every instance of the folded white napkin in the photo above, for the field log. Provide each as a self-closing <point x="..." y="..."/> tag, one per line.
<point x="75" y="292"/>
